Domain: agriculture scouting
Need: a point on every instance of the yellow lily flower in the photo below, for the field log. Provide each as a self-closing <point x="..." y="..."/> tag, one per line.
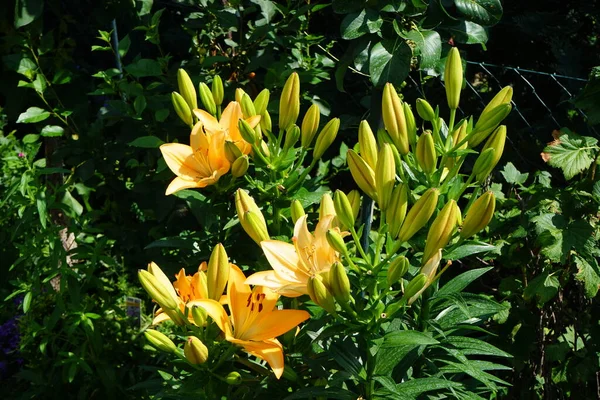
<point x="198" y="165"/>
<point x="253" y="322"/>
<point x="228" y="124"/>
<point x="294" y="264"/>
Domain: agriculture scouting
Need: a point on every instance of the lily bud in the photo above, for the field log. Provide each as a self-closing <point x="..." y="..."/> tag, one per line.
<point x="244" y="204"/>
<point x="310" y="125"/>
<point x="343" y="209"/>
<point x="504" y="96"/>
<point x="326" y="207"/>
<point x="441" y="229"/>
<point x="496" y="142"/>
<point x="397" y="269"/>
<point x="207" y="98"/>
<point x="326" y="137"/>
<point x="292" y="134"/>
<point x="233" y="378"/>
<point x="297" y="211"/>
<point x="160" y="341"/>
<point x="363" y="174"/>
<point x="195" y="351"/>
<point x="426" y="154"/>
<point x="411" y="124"/>
<point x="186" y="88"/>
<point x="425" y="110"/>
<point x="415" y="286"/>
<point x="265" y="149"/>
<point x="265" y="122"/>
<point x="354" y="199"/>
<point x="394" y="119"/>
<point x="385" y="176"/>
<point x="319" y="294"/>
<point x="429" y="270"/>
<point x="218" y="93"/>
<point x="487" y="123"/>
<point x="383" y="138"/>
<point x="217" y="273"/>
<point x="240" y="166"/>
<point x="247" y="132"/>
<point x="453" y="76"/>
<point x="199" y="315"/>
<point x="247" y="106"/>
<point x="159" y="292"/>
<point x="457" y="136"/>
<point x="262" y="101"/>
<point x="182" y="109"/>
<point x="340" y="284"/>
<point x="239" y="93"/>
<point x="232" y="152"/>
<point x="289" y="104"/>
<point x="397" y="209"/>
<point x="419" y="214"/>
<point x="367" y="144"/>
<point x="479" y="216"/>
<point x="336" y="241"/>
<point x="484" y="164"/>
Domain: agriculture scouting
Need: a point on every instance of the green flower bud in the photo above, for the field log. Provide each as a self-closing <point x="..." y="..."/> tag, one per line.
<point x="487" y="123"/>
<point x="385" y="176"/>
<point x="292" y="134"/>
<point x="496" y="141"/>
<point x="207" y="99"/>
<point x="479" y="216"/>
<point x="397" y="209"/>
<point x="232" y="152"/>
<point x="419" y="214"/>
<point x="289" y="104"/>
<point x="425" y="153"/>
<point x="453" y="77"/>
<point x="182" y="108"/>
<point x="240" y="166"/>
<point x="326" y="207"/>
<point x="247" y="132"/>
<point x="199" y="315"/>
<point x="326" y="138"/>
<point x="247" y="106"/>
<point x="343" y="209"/>
<point x="425" y="110"/>
<point x="484" y="164"/>
<point x="217" y="273"/>
<point x="441" y="229"/>
<point x="319" y="294"/>
<point x="160" y="341"/>
<point x="195" y="351"/>
<point x="397" y="269"/>
<point x="262" y="101"/>
<point x="296" y="210"/>
<point x="310" y="125"/>
<point x="367" y="144"/>
<point x="415" y="286"/>
<point x="411" y="124"/>
<point x="239" y="93"/>
<point x="233" y="378"/>
<point x="504" y="96"/>
<point x="363" y="174"/>
<point x="336" y="241"/>
<point x="218" y="93"/>
<point x="186" y="88"/>
<point x="340" y="284"/>
<point x="354" y="199"/>
<point x="394" y="119"/>
<point x="265" y="122"/>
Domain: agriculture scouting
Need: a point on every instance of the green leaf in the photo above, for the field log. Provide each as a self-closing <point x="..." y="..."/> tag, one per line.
<point x="30" y="138"/>
<point x="415" y="387"/>
<point x="33" y="114"/>
<point x="321" y="392"/>
<point x="161" y="115"/>
<point x="139" y="105"/>
<point x="42" y="208"/>
<point x="124" y="46"/>
<point x="72" y="203"/>
<point x="570" y="152"/>
<point x="144" y="67"/>
<point x="543" y="288"/>
<point x="429" y="46"/>
<point x="467" y="32"/>
<point x="175" y="241"/>
<point x="27" y="302"/>
<point x="472" y="346"/>
<point x="588" y="272"/>
<point x="460" y="282"/>
<point x="27" y="11"/>
<point x="389" y="61"/>
<point x="52" y="131"/>
<point x="589" y="101"/>
<point x="146" y="142"/>
<point x="347" y="6"/>
<point x="403" y="338"/>
<point x="468" y="249"/>
<point x="483" y="12"/>
<point x="512" y="175"/>
<point x="21" y="64"/>
<point x="143" y="7"/>
<point x="358" y="24"/>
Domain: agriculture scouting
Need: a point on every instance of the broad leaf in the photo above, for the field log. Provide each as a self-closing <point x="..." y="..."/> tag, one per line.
<point x="467" y="32"/>
<point x="588" y="272"/>
<point x="52" y="131"/>
<point x="472" y="346"/>
<point x="570" y="152"/>
<point x="483" y="12"/>
<point x="460" y="282"/>
<point x="512" y="175"/>
<point x="468" y="249"/>
<point x="429" y="46"/>
<point x="402" y="338"/>
<point x="543" y="288"/>
<point x="357" y="24"/>
<point x="589" y="101"/>
<point x="27" y="11"/>
<point x="144" y="67"/>
<point x="389" y="61"/>
<point x="147" y="142"/>
<point x="33" y="114"/>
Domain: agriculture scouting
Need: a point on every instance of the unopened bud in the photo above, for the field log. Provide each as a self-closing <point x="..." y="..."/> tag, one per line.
<point x="247" y="132"/>
<point x="262" y="101"/>
<point x="354" y="198"/>
<point x="326" y="207"/>
<point x="415" y="285"/>
<point x="362" y="173"/>
<point x="426" y="154"/>
<point x="397" y="269"/>
<point x="487" y="123"/>
<point x="504" y="96"/>
<point x="218" y="92"/>
<point x="340" y="284"/>
<point x="160" y="341"/>
<point x="232" y="152"/>
<point x="319" y="294"/>
<point x="292" y="134"/>
<point x="479" y="216"/>
<point x="310" y="125"/>
<point x="484" y="164"/>
<point x="336" y="241"/>
<point x="296" y="210"/>
<point x="199" y="315"/>
<point x="195" y="351"/>
<point x="233" y="378"/>
<point x="385" y="176"/>
<point x="453" y="77"/>
<point x="217" y="273"/>
<point x="411" y="124"/>
<point x="419" y="214"/>
<point x="159" y="292"/>
<point x="326" y="137"/>
<point x="240" y="166"/>
<point x="207" y="99"/>
<point x="397" y="209"/>
<point x="394" y="119"/>
<point x="247" y="106"/>
<point x="182" y="109"/>
<point x="441" y="229"/>
<point x="265" y="122"/>
<point x="425" y="110"/>
<point x="239" y="93"/>
<point x="496" y="141"/>
<point x="367" y="144"/>
<point x="186" y="88"/>
<point x="289" y="103"/>
<point x="343" y="209"/>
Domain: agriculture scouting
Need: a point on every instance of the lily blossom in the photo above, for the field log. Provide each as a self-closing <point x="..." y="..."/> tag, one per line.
<point x="198" y="165"/>
<point x="253" y="322"/>
<point x="294" y="264"/>
<point x="228" y="124"/>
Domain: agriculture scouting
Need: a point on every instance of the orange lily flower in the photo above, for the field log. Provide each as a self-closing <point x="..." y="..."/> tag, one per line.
<point x="253" y="322"/>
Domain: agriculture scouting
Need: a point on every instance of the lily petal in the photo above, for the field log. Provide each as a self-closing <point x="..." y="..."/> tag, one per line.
<point x="198" y="139"/>
<point x="271" y="351"/>
<point x="274" y="282"/>
<point x="285" y="261"/>
<point x="273" y="324"/>
<point x="180" y="184"/>
<point x="238" y="297"/>
<point x="216" y="312"/>
<point x="163" y="279"/>
<point x="180" y="159"/>
<point x="210" y="123"/>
